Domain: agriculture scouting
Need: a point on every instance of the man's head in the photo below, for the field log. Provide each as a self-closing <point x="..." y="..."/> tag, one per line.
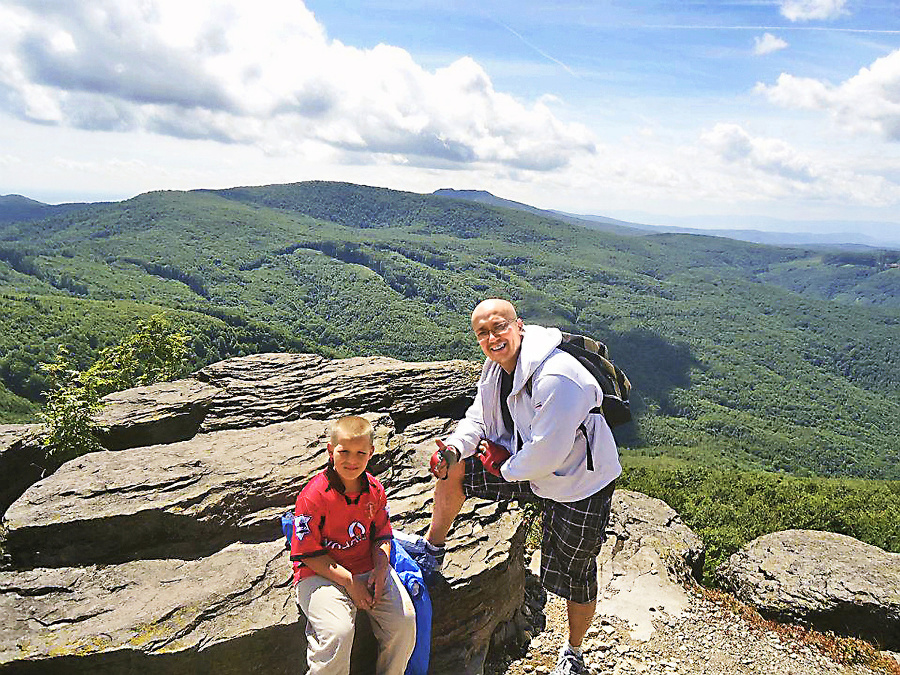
<point x="351" y="448"/>
<point x="498" y="331"/>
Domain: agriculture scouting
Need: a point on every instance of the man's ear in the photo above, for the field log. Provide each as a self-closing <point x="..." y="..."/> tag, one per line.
<point x="330" y="449"/>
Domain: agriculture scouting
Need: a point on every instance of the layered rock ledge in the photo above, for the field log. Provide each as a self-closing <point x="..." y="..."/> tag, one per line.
<point x="828" y="581"/>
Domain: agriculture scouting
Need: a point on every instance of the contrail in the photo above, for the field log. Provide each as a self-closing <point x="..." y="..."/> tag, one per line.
<point x="537" y="49"/>
<point x="812" y="28"/>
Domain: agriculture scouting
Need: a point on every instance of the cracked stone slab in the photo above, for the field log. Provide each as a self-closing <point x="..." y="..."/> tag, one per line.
<point x="228" y="613"/>
<point x="263" y="389"/>
<point x="165" y="412"/>
<point x="22" y="460"/>
<point x="829" y="581"/>
<point x="647" y="559"/>
<point x="181" y="500"/>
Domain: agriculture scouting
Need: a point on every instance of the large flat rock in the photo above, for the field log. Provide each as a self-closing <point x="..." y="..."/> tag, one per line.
<point x="152" y="614"/>
<point x="23" y="460"/>
<point x="262" y="389"/>
<point x="165" y="412"/>
<point x="648" y="559"/>
<point x="828" y="581"/>
<point x="181" y="500"/>
<point x="228" y="613"/>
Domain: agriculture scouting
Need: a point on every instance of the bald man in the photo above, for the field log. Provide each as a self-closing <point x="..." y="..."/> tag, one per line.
<point x="526" y="437"/>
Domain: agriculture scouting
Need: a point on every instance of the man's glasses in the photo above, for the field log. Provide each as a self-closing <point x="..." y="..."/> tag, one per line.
<point x="498" y="330"/>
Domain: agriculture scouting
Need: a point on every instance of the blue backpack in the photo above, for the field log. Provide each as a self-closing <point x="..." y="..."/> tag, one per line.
<point x="412" y="579"/>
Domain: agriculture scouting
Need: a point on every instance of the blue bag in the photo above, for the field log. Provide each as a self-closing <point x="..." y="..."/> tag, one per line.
<point x="411" y="577"/>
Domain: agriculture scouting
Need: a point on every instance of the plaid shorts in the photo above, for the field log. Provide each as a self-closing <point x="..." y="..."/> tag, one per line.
<point x="572" y="536"/>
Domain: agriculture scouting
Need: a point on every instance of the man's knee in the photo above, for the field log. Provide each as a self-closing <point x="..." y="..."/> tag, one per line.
<point x="452" y="486"/>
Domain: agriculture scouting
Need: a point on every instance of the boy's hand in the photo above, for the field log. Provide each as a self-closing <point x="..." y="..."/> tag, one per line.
<point x="492" y="455"/>
<point x="377" y="580"/>
<point x="359" y="593"/>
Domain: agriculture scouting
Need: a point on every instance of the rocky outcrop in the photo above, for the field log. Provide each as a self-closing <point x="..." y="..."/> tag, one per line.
<point x="166" y="557"/>
<point x="267" y="388"/>
<point x="228" y="613"/>
<point x="828" y="581"/>
<point x="114" y="550"/>
<point x="166" y="412"/>
<point x="22" y="460"/>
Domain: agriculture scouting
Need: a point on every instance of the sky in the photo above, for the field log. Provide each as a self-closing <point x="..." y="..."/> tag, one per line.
<point x="636" y="109"/>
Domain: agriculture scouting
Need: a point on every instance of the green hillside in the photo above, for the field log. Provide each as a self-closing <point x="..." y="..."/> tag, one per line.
<point x="739" y="356"/>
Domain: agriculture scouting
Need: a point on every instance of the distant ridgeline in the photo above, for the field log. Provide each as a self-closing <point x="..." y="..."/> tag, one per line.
<point x="741" y="355"/>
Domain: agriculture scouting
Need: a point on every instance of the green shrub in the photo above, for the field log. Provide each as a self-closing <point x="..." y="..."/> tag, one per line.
<point x="154" y="353"/>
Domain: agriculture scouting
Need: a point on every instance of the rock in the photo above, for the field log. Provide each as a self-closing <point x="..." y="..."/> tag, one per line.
<point x="483" y="579"/>
<point x="166" y="412"/>
<point x="180" y="500"/>
<point x="267" y="388"/>
<point x="828" y="581"/>
<point x="228" y="613"/>
<point x="23" y="460"/>
<point x="60" y="612"/>
<point x="648" y="558"/>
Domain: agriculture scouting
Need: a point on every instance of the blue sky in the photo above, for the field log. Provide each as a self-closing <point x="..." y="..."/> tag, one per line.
<point x="644" y="110"/>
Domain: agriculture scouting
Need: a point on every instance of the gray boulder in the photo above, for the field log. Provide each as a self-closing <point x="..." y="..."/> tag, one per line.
<point x="180" y="500"/>
<point x="828" y="581"/>
<point x="228" y="613"/>
<point x="23" y="460"/>
<point x="263" y="389"/>
<point x="165" y="412"/>
<point x="648" y="560"/>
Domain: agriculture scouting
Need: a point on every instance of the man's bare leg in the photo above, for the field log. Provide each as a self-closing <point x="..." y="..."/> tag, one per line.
<point x="580" y="615"/>
<point x="448" y="500"/>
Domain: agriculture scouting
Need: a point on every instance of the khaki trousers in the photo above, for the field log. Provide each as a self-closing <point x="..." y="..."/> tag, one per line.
<point x="331" y="623"/>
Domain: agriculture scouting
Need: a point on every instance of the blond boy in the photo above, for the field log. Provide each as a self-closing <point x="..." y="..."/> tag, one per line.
<point x="341" y="552"/>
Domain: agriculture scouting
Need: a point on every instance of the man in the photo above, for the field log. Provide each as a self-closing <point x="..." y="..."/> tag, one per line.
<point x="526" y="436"/>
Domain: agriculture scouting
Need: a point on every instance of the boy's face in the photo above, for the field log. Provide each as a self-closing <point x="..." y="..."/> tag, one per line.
<point x="350" y="457"/>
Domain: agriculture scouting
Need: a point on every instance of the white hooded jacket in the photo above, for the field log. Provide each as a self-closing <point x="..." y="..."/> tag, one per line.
<point x="553" y="456"/>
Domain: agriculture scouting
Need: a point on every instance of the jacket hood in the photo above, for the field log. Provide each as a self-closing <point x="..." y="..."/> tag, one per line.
<point x="537" y="344"/>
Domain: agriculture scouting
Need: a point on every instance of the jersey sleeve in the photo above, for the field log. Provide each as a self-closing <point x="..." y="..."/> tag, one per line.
<point x="381" y="524"/>
<point x="307" y="539"/>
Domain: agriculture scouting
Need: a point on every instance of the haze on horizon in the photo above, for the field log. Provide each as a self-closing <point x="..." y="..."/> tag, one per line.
<point x="647" y="111"/>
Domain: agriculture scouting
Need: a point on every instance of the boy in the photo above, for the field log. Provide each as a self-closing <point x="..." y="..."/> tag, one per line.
<point x="341" y="548"/>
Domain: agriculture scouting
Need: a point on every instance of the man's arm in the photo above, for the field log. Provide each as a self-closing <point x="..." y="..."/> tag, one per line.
<point x="470" y="429"/>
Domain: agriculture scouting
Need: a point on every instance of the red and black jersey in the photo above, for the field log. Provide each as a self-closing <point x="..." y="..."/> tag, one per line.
<point x="342" y="525"/>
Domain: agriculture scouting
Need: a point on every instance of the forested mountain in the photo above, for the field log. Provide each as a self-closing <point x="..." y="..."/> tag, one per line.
<point x="741" y="354"/>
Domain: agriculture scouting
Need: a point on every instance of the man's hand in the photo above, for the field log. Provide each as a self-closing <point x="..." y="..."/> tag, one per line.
<point x="359" y="593"/>
<point x="442" y="459"/>
<point x="492" y="455"/>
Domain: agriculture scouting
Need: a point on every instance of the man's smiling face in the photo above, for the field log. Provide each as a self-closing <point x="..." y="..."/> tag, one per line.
<point x="498" y="331"/>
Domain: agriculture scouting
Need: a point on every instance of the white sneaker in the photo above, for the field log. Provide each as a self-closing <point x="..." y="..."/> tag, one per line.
<point x="429" y="558"/>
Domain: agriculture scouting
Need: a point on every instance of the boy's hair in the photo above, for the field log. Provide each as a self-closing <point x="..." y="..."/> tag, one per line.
<point x="352" y="426"/>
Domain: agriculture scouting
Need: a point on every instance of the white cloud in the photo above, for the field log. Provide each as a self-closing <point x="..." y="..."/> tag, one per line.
<point x="767" y="44"/>
<point x="869" y="101"/>
<point x="808" y="10"/>
<point x="262" y="74"/>
<point x="766" y="168"/>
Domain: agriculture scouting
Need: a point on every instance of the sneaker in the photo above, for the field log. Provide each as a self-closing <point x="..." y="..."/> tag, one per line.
<point x="570" y="664"/>
<point x="429" y="558"/>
